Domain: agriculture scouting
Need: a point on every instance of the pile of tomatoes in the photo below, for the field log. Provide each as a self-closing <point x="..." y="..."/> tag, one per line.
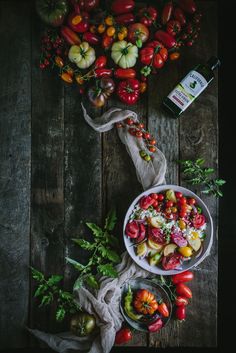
<point x="119" y="47"/>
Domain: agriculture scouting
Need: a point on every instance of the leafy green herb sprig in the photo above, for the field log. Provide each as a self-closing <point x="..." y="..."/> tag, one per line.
<point x="103" y="256"/>
<point x="196" y="174"/>
<point x="48" y="291"/>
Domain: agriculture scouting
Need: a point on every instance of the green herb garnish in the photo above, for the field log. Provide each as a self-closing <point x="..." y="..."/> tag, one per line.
<point x="196" y="174"/>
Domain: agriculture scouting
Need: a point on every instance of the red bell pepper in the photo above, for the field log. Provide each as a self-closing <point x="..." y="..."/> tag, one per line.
<point x="165" y="38"/>
<point x="128" y="91"/>
<point x="70" y="36"/>
<point x="91" y="38"/>
<point x="167" y="12"/>
<point x="125" y="19"/>
<point x="188" y="6"/>
<point x="148" y="15"/>
<point x="179" y="16"/>
<point x="119" y="7"/>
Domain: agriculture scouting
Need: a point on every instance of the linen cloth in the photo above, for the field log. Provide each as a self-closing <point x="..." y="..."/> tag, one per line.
<point x="104" y="303"/>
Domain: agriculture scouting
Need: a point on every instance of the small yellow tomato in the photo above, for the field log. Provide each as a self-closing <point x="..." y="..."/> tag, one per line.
<point x="194" y="235"/>
<point x="79" y="79"/>
<point x="109" y="20"/>
<point x="111" y="31"/>
<point x="76" y="20"/>
<point x="186" y="251"/>
<point x="59" y="61"/>
<point x="101" y="28"/>
<point x="124" y="31"/>
<point x="121" y="36"/>
<point x="66" y="77"/>
<point x="182" y="224"/>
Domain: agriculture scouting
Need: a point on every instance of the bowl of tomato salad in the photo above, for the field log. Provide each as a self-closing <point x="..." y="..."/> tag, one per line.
<point x="168" y="229"/>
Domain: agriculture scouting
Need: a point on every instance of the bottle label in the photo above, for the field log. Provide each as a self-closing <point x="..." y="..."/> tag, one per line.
<point x="188" y="89"/>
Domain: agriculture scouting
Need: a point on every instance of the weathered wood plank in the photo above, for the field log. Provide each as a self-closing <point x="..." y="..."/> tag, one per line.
<point x="83" y="178"/>
<point x="198" y="137"/>
<point x="15" y="102"/>
<point x="47" y="206"/>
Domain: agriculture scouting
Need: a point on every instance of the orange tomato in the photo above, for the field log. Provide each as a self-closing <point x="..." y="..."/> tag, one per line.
<point x="142" y="87"/>
<point x="111" y="31"/>
<point x="79" y="79"/>
<point x="109" y="20"/>
<point x="101" y="28"/>
<point x="66" y="77"/>
<point x="174" y="56"/>
<point x="76" y="20"/>
<point x="59" y="61"/>
<point x="145" y="302"/>
<point x="70" y="71"/>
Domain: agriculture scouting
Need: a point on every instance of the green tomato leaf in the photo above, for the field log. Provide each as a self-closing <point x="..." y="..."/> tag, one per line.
<point x="38" y="276"/>
<point x="47" y="299"/>
<point x="113" y="241"/>
<point x="220" y="182"/>
<point x="40" y="290"/>
<point x="113" y="256"/>
<point x="54" y="279"/>
<point x="78" y="283"/>
<point x="60" y="314"/>
<point x="108" y="270"/>
<point x="111" y="220"/>
<point x="84" y="244"/>
<point x="97" y="231"/>
<point x="92" y="282"/>
<point x="77" y="265"/>
<point x="200" y="161"/>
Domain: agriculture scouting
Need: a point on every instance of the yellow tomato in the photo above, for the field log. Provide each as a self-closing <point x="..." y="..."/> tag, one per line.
<point x="92" y="29"/>
<point x="111" y="31"/>
<point x="182" y="224"/>
<point x="79" y="79"/>
<point x="76" y="20"/>
<point x="124" y="31"/>
<point x="109" y="20"/>
<point x="121" y="36"/>
<point x="186" y="251"/>
<point x="101" y="28"/>
<point x="194" y="235"/>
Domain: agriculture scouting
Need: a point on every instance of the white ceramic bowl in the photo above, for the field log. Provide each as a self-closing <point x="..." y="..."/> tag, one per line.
<point x="195" y="261"/>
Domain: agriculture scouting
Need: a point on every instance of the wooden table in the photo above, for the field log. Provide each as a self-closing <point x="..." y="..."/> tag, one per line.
<point x="56" y="172"/>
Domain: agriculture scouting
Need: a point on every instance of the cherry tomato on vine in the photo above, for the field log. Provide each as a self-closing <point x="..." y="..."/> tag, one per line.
<point x="191" y="201"/>
<point x="139" y="134"/>
<point x="152" y="149"/>
<point x="129" y="121"/>
<point x="181" y="301"/>
<point x="152" y="142"/>
<point x="154" y="196"/>
<point x="146" y="135"/>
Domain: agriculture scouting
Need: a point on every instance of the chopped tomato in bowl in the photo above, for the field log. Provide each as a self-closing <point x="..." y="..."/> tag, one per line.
<point x="168" y="229"/>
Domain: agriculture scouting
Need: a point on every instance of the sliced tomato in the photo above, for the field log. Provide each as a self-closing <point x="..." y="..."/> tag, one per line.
<point x="156" y="235"/>
<point x="171" y="261"/>
<point x="199" y="220"/>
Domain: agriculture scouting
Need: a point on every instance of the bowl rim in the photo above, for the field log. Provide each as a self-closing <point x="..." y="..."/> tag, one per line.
<point x="153" y="284"/>
<point x="160" y="188"/>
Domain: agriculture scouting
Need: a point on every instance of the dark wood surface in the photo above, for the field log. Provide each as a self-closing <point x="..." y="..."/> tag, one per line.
<point x="56" y="173"/>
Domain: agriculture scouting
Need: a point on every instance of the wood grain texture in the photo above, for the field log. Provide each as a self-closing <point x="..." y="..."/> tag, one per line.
<point x="47" y="199"/>
<point x="15" y="102"/>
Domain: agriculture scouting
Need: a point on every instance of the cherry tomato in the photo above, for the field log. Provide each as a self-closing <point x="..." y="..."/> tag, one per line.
<point x="182" y="214"/>
<point x="107" y="41"/>
<point x="174" y="209"/>
<point x="161" y="197"/>
<point x="59" y="62"/>
<point x="182" y="200"/>
<point x="142" y="87"/>
<point x="191" y="201"/>
<point x="199" y="220"/>
<point x="152" y="149"/>
<point x="180" y="313"/>
<point x="181" y="301"/>
<point x="178" y="194"/>
<point x="163" y="310"/>
<point x="152" y="142"/>
<point x="154" y="196"/>
<point x="139" y="134"/>
<point x="129" y="121"/>
<point x="66" y="77"/>
<point x="101" y="28"/>
<point x="140" y="126"/>
<point x="123" y="335"/>
<point x="109" y="20"/>
<point x="169" y="204"/>
<point x="174" y="56"/>
<point x="183" y="290"/>
<point x="146" y="135"/>
<point x="111" y="31"/>
<point x="185" y="276"/>
<point x="132" y="131"/>
<point x="155" y="204"/>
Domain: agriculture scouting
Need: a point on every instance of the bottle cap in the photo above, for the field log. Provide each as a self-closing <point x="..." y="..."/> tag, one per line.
<point x="213" y="62"/>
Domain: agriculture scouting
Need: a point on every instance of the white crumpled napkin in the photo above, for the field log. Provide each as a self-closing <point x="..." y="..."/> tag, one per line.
<point x="104" y="304"/>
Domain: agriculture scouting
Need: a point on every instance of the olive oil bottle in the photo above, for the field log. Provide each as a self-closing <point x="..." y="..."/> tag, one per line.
<point x="191" y="87"/>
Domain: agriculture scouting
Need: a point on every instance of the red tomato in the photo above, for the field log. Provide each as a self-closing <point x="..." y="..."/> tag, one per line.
<point x="156" y="235"/>
<point x="128" y="91"/>
<point x="184" y="290"/>
<point x="154" y="196"/>
<point x="148" y="15"/>
<point x="167" y="12"/>
<point x="161" y="197"/>
<point x="182" y="200"/>
<point x="171" y="261"/>
<point x="119" y="7"/>
<point x="186" y="276"/>
<point x="179" y="16"/>
<point x="100" y="62"/>
<point x="137" y="31"/>
<point x="191" y="201"/>
<point x="180" y="312"/>
<point x="173" y="27"/>
<point x="125" y="19"/>
<point x="79" y="26"/>
<point x="132" y="229"/>
<point x="163" y="310"/>
<point x="199" y="220"/>
<point x="146" y="135"/>
<point x="124" y="73"/>
<point x="155" y="204"/>
<point x="169" y="204"/>
<point x="123" y="335"/>
<point x="129" y="121"/>
<point x="178" y="194"/>
<point x="145" y="202"/>
<point x="181" y="301"/>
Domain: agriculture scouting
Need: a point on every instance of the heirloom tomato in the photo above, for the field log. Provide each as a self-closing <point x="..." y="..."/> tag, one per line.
<point x="128" y="91"/>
